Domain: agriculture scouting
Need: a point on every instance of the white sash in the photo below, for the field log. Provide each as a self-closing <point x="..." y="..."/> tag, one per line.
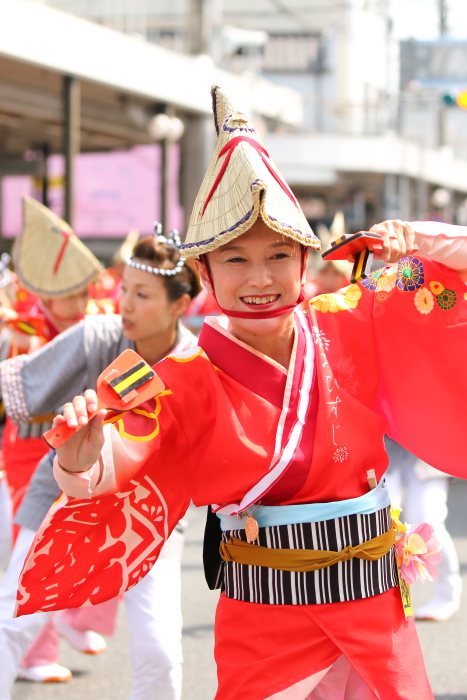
<point x="283" y="453"/>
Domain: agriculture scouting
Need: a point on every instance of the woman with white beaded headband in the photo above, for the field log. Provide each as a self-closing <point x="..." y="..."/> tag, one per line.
<point x="157" y="287"/>
<point x="155" y="277"/>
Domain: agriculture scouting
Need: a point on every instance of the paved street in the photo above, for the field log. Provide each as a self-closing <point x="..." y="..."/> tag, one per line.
<point x="108" y="675"/>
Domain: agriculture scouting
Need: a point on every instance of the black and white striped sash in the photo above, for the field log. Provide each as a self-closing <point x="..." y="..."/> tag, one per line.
<point x="33" y="430"/>
<point x="346" y="580"/>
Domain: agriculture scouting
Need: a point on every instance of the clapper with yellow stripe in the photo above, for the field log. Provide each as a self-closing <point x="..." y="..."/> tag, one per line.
<point x="28" y="325"/>
<point x="357" y="248"/>
<point x="129" y="381"/>
<point x="126" y="383"/>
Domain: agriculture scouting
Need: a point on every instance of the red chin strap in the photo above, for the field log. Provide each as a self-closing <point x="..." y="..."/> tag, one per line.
<point x="273" y="313"/>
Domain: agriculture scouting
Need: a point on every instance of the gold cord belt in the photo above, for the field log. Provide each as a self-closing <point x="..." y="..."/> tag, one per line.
<point x="43" y="418"/>
<point x="304" y="559"/>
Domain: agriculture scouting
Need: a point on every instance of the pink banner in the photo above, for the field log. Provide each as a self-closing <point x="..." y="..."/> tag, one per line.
<point x="114" y="192"/>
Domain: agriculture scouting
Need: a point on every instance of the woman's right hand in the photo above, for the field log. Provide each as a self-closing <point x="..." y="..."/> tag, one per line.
<point x="7" y="314"/>
<point x="82" y="449"/>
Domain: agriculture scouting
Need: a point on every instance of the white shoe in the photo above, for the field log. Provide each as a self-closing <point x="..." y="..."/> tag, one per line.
<point x="437" y="610"/>
<point x="53" y="673"/>
<point x="85" y="641"/>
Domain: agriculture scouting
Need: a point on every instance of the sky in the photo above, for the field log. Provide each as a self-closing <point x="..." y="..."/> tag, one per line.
<point x="419" y="18"/>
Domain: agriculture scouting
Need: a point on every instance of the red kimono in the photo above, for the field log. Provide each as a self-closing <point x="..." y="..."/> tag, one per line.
<point x="23" y="449"/>
<point x="233" y="428"/>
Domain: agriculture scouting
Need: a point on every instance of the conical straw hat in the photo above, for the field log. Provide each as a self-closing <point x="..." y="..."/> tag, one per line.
<point x="337" y="227"/>
<point x="241" y="184"/>
<point x="327" y="236"/>
<point x="49" y="258"/>
<point x="126" y="249"/>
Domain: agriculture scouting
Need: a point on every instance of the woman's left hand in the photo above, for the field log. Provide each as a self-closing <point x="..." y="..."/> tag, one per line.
<point x="398" y="240"/>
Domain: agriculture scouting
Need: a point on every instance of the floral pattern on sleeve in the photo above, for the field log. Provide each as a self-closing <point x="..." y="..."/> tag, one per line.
<point x="382" y="280"/>
<point x="424" y="300"/>
<point x="338" y="302"/>
<point x="446" y="299"/>
<point x="409" y="276"/>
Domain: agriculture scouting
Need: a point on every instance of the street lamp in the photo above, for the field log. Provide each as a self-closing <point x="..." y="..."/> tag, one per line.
<point x="165" y="130"/>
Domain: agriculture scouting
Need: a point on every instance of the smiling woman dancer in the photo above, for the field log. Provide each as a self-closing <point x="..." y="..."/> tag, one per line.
<point x="157" y="288"/>
<point x="275" y="421"/>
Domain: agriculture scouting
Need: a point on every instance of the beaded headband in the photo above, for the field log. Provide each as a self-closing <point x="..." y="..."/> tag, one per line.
<point x="172" y="239"/>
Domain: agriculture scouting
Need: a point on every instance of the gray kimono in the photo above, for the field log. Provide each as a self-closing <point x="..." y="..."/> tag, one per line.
<point x="42" y="382"/>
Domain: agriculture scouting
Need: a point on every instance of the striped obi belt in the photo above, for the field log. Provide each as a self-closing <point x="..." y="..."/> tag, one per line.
<point x="312" y="553"/>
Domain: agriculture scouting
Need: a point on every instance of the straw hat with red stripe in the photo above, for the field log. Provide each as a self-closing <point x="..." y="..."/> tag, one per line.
<point x="242" y="184"/>
<point x="49" y="258"/>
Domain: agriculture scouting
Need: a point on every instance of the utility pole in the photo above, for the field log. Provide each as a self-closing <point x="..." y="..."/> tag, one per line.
<point x="201" y="20"/>
<point x="443" y="17"/>
<point x="72" y="135"/>
<point x="199" y="26"/>
<point x="443" y="30"/>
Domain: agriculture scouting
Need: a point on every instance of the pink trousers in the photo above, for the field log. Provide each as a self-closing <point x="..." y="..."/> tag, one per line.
<point x="44" y="649"/>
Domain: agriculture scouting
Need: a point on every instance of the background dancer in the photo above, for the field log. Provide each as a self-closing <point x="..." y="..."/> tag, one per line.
<point x="152" y="302"/>
<point x="7" y="299"/>
<point x="55" y="269"/>
<point x="422" y="493"/>
<point x="53" y="273"/>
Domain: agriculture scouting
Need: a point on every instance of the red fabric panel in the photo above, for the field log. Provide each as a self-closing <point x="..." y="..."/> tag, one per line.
<point x="20" y="457"/>
<point x="263" y="649"/>
<point x="245" y="367"/>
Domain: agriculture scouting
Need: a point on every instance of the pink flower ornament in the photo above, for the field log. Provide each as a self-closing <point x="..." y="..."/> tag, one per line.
<point x="417" y="553"/>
